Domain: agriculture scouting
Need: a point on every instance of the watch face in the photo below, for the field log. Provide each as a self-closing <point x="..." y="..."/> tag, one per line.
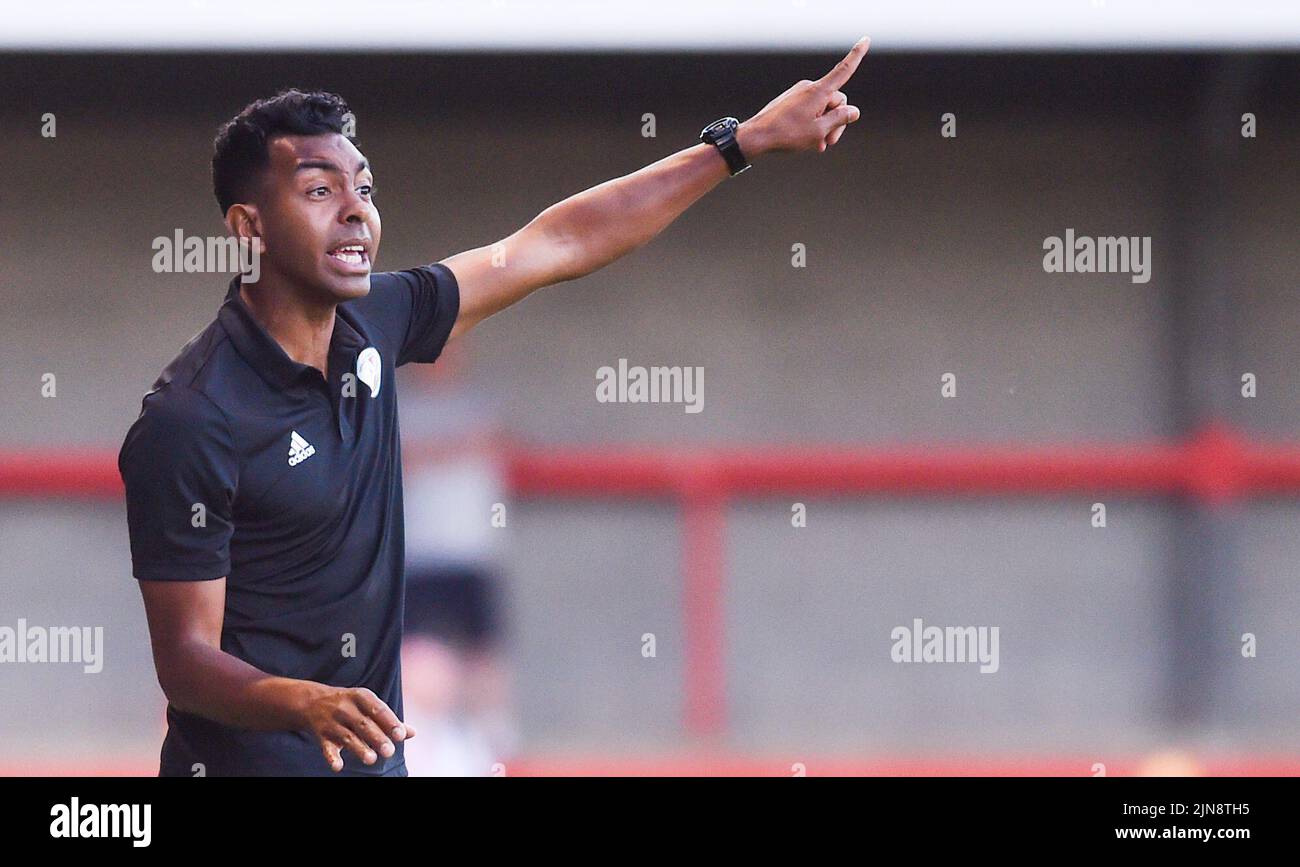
<point x="719" y="128"/>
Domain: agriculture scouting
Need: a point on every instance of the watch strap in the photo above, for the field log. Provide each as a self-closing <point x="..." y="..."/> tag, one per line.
<point x="722" y="135"/>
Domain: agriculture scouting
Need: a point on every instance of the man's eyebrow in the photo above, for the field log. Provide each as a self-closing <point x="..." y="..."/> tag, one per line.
<point x="328" y="166"/>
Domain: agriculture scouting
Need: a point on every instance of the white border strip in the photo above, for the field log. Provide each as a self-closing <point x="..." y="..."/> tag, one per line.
<point x="374" y="25"/>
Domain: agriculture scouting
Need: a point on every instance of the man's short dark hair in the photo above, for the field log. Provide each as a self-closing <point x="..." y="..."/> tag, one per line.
<point x="239" y="152"/>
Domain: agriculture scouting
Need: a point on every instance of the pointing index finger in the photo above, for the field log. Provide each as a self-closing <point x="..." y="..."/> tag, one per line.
<point x="843" y="71"/>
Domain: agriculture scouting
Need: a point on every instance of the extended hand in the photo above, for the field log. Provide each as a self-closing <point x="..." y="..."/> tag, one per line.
<point x="811" y="115"/>
<point x="354" y="719"/>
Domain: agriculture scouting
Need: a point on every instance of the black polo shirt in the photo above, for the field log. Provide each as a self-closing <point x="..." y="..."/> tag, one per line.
<point x="246" y="464"/>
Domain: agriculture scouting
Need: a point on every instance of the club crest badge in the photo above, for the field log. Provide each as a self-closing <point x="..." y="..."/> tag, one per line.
<point x="369" y="369"/>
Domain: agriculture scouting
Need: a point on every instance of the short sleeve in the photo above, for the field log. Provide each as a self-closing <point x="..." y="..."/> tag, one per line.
<point x="415" y="308"/>
<point x="180" y="468"/>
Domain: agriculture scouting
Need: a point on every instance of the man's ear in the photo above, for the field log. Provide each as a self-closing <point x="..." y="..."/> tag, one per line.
<point x="244" y="222"/>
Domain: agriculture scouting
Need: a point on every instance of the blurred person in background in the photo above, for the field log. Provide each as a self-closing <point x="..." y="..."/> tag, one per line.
<point x="456" y="680"/>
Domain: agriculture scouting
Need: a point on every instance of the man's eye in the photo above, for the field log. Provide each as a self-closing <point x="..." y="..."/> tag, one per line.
<point x="366" y="189"/>
<point x="322" y="190"/>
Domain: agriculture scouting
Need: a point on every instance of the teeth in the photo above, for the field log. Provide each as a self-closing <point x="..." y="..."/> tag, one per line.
<point x="353" y="254"/>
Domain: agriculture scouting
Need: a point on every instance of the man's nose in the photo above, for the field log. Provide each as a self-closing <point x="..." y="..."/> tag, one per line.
<point x="355" y="209"/>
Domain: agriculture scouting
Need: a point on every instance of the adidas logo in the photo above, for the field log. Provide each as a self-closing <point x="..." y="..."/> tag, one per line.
<point x="299" y="449"/>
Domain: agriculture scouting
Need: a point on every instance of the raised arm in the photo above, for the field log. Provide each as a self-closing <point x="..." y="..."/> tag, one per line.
<point x="587" y="231"/>
<point x="198" y="677"/>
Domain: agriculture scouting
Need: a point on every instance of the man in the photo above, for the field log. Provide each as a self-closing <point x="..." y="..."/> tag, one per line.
<point x="263" y="475"/>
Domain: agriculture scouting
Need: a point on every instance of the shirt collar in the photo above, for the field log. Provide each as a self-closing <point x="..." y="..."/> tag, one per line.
<point x="267" y="357"/>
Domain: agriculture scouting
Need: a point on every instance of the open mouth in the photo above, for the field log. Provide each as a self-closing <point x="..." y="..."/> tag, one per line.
<point x="353" y="256"/>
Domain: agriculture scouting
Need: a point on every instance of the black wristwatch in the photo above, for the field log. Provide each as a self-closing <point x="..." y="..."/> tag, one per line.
<point x="722" y="135"/>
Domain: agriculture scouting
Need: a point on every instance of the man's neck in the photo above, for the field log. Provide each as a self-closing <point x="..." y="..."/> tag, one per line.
<point x="302" y="328"/>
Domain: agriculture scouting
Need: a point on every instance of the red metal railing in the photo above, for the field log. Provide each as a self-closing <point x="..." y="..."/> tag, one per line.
<point x="1215" y="466"/>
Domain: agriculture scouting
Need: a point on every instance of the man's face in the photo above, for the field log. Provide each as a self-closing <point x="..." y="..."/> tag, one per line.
<point x="318" y="222"/>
